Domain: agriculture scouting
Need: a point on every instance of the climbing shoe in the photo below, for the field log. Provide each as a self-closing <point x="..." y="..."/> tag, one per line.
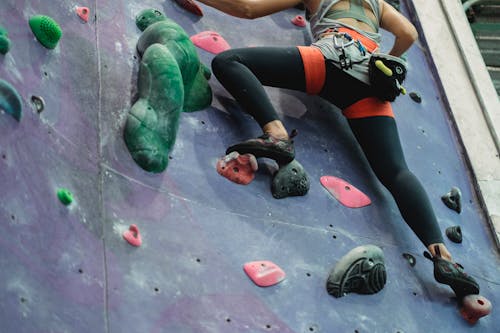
<point x="280" y="150"/>
<point x="452" y="274"/>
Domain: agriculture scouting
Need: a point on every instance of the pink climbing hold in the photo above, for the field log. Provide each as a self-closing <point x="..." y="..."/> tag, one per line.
<point x="299" y="21"/>
<point x="238" y="168"/>
<point x="264" y="273"/>
<point x="210" y="41"/>
<point x="475" y="307"/>
<point x="83" y="12"/>
<point x="345" y="193"/>
<point x="133" y="236"/>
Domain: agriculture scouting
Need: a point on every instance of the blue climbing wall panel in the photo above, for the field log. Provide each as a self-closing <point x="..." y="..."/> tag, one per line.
<point x="68" y="269"/>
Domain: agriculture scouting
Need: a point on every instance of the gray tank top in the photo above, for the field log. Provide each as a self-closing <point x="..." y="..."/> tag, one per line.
<point x="320" y="21"/>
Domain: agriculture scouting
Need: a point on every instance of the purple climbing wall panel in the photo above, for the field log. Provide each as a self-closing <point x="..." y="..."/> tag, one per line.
<point x="68" y="269"/>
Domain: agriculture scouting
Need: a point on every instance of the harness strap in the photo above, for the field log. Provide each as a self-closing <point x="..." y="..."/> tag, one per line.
<point x="368" y="107"/>
<point x="368" y="43"/>
<point x="314" y="68"/>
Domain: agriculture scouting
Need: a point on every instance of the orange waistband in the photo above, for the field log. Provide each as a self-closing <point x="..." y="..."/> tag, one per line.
<point x="367" y="42"/>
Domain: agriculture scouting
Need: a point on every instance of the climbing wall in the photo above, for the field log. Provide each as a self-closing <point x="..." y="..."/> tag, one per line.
<point x="68" y="268"/>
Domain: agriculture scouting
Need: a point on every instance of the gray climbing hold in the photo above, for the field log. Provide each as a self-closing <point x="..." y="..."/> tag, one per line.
<point x="38" y="103"/>
<point x="290" y="180"/>
<point x="415" y="96"/>
<point x="452" y="199"/>
<point x="362" y="271"/>
<point x="10" y="101"/>
<point x="411" y="259"/>
<point x="454" y="234"/>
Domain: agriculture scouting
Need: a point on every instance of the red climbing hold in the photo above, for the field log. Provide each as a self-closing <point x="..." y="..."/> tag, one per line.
<point x="133" y="236"/>
<point x="238" y="168"/>
<point x="344" y="192"/>
<point x="264" y="273"/>
<point x="83" y="12"/>
<point x="190" y="6"/>
<point x="475" y="307"/>
<point x="210" y="41"/>
<point x="299" y="21"/>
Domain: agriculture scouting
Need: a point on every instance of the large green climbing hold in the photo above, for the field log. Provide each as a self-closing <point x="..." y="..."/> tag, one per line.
<point x="10" y="101"/>
<point x="46" y="30"/>
<point x="153" y="121"/>
<point x="171" y="80"/>
<point x="159" y="29"/>
<point x="4" y="41"/>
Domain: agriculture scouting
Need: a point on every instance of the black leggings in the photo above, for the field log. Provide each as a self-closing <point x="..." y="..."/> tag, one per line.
<point x="243" y="72"/>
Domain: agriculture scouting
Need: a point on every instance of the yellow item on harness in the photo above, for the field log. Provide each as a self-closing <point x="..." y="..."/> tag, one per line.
<point x="386" y="70"/>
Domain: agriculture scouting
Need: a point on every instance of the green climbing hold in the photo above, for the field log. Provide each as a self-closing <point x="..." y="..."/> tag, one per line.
<point x="171" y="80"/>
<point x="4" y="41"/>
<point x="46" y="30"/>
<point x="10" y="100"/>
<point x="147" y="17"/>
<point x="65" y="196"/>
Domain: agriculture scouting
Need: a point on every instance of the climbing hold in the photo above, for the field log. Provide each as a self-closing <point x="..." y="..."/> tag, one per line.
<point x="83" y="13"/>
<point x="362" y="271"/>
<point x="345" y="193"/>
<point x="299" y="21"/>
<point x="454" y="234"/>
<point x="4" y="44"/>
<point x="10" y="101"/>
<point x="452" y="199"/>
<point x="264" y="273"/>
<point x="411" y="259"/>
<point x="415" y="96"/>
<point x="147" y="17"/>
<point x="133" y="236"/>
<point x="290" y="180"/>
<point x="65" y="196"/>
<point x="46" y="30"/>
<point x="238" y="168"/>
<point x="190" y="6"/>
<point x="210" y="41"/>
<point x="164" y="90"/>
<point x="475" y="307"/>
<point x="38" y="103"/>
<point x="4" y="41"/>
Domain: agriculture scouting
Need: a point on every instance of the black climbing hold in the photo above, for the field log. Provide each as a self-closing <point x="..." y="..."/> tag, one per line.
<point x="38" y="103"/>
<point x="415" y="96"/>
<point x="290" y="180"/>
<point x="362" y="271"/>
<point x="454" y="234"/>
<point x="411" y="259"/>
<point x="452" y="199"/>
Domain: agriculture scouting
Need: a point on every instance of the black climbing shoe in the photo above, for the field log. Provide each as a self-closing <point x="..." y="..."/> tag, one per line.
<point x="280" y="150"/>
<point x="452" y="274"/>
